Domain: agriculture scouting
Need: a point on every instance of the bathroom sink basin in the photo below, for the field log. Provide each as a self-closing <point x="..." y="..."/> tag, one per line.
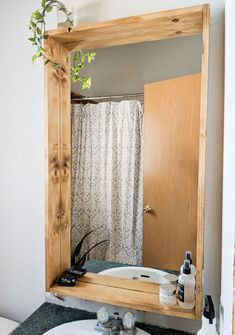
<point x="137" y="272"/>
<point x="83" y="327"/>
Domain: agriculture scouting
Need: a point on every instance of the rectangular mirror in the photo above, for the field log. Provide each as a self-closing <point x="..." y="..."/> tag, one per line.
<point x="135" y="142"/>
<point x="124" y="156"/>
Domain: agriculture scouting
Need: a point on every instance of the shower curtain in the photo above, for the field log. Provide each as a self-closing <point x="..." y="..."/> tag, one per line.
<point x="107" y="179"/>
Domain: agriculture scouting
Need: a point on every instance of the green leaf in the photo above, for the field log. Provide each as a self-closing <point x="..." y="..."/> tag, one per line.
<point x="88" y="82"/>
<point x="62" y="8"/>
<point x="82" y="57"/>
<point x="43" y="4"/>
<point x="46" y="61"/>
<point x="45" y="37"/>
<point x="78" y="68"/>
<point x="34" y="58"/>
<point x="76" y="57"/>
<point x="31" y="39"/>
<point x="37" y="15"/>
<point x="39" y="31"/>
<point x="39" y="53"/>
<point x="49" y="9"/>
<point x="91" y="57"/>
<point x="75" y="78"/>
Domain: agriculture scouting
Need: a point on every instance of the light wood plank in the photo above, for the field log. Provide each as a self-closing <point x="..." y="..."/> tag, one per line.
<point x="53" y="268"/>
<point x="202" y="159"/>
<point x="57" y="91"/>
<point x="128" y="284"/>
<point x="65" y="147"/>
<point x="135" y="29"/>
<point x="140" y="300"/>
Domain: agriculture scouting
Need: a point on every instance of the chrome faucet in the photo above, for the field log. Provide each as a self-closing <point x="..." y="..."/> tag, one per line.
<point x="115" y="325"/>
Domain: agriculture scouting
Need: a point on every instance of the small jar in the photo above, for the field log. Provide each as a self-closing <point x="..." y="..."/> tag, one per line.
<point x="167" y="294"/>
<point x="171" y="279"/>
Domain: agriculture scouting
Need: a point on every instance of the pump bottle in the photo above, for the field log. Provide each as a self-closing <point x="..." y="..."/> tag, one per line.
<point x="188" y="255"/>
<point x="208" y="318"/>
<point x="186" y="287"/>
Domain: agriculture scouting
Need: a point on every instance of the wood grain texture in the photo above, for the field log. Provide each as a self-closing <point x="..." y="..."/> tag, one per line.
<point x="65" y="166"/>
<point x="148" y="27"/>
<point x="202" y="158"/>
<point x="57" y="101"/>
<point x="52" y="165"/>
<point x="171" y="127"/>
<point x="124" y="283"/>
<point x="135" y="29"/>
<point x="121" y="292"/>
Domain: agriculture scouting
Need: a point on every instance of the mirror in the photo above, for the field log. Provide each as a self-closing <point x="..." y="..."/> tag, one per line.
<point x="133" y="190"/>
<point x="176" y="157"/>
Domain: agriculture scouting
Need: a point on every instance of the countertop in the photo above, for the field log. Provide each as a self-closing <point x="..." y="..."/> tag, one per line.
<point x="50" y="315"/>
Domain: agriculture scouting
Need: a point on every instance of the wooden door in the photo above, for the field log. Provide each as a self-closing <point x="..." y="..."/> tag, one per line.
<point x="171" y="156"/>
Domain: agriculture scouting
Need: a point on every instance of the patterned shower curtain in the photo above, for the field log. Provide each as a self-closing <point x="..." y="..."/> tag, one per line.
<point x="107" y="179"/>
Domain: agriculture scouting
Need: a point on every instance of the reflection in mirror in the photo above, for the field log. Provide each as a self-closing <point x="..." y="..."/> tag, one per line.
<point x="108" y="154"/>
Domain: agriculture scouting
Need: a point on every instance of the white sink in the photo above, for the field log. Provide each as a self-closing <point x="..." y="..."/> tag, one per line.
<point x="83" y="327"/>
<point x="137" y="272"/>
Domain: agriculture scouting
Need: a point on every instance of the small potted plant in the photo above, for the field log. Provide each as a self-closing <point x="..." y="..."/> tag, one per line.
<point x="37" y="26"/>
<point x="78" y="259"/>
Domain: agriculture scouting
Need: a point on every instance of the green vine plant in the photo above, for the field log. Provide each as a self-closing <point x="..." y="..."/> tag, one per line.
<point x="37" y="26"/>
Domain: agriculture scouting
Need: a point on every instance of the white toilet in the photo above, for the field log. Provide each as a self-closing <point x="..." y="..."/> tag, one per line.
<point x="7" y="326"/>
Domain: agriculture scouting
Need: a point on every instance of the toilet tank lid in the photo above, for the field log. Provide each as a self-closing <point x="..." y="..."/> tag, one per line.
<point x="7" y="326"/>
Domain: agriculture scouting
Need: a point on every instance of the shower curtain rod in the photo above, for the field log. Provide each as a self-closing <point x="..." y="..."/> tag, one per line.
<point x="108" y="97"/>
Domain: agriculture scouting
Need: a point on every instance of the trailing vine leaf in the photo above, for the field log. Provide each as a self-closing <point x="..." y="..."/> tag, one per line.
<point x="37" y="26"/>
<point x="80" y="60"/>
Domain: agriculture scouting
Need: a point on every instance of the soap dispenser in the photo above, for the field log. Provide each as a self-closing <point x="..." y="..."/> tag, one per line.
<point x="188" y="255"/>
<point x="186" y="287"/>
<point x="208" y="318"/>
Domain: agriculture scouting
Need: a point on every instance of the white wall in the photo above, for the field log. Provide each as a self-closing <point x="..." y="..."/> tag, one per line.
<point x="22" y="145"/>
<point x="22" y="165"/>
<point x="126" y="69"/>
<point x="229" y="174"/>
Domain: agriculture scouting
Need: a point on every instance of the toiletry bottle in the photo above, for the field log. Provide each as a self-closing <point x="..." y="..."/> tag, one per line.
<point x="186" y="287"/>
<point x="208" y="318"/>
<point x="188" y="255"/>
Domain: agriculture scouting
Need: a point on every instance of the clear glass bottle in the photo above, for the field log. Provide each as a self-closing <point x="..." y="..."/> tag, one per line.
<point x="186" y="287"/>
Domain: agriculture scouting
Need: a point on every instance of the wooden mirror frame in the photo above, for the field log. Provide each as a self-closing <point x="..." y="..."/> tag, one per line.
<point x="149" y="27"/>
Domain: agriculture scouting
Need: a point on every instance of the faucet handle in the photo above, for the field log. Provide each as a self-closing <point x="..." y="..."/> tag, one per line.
<point x="128" y="321"/>
<point x="103" y="315"/>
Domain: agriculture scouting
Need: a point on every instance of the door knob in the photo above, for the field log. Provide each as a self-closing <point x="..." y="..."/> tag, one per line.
<point x="147" y="209"/>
